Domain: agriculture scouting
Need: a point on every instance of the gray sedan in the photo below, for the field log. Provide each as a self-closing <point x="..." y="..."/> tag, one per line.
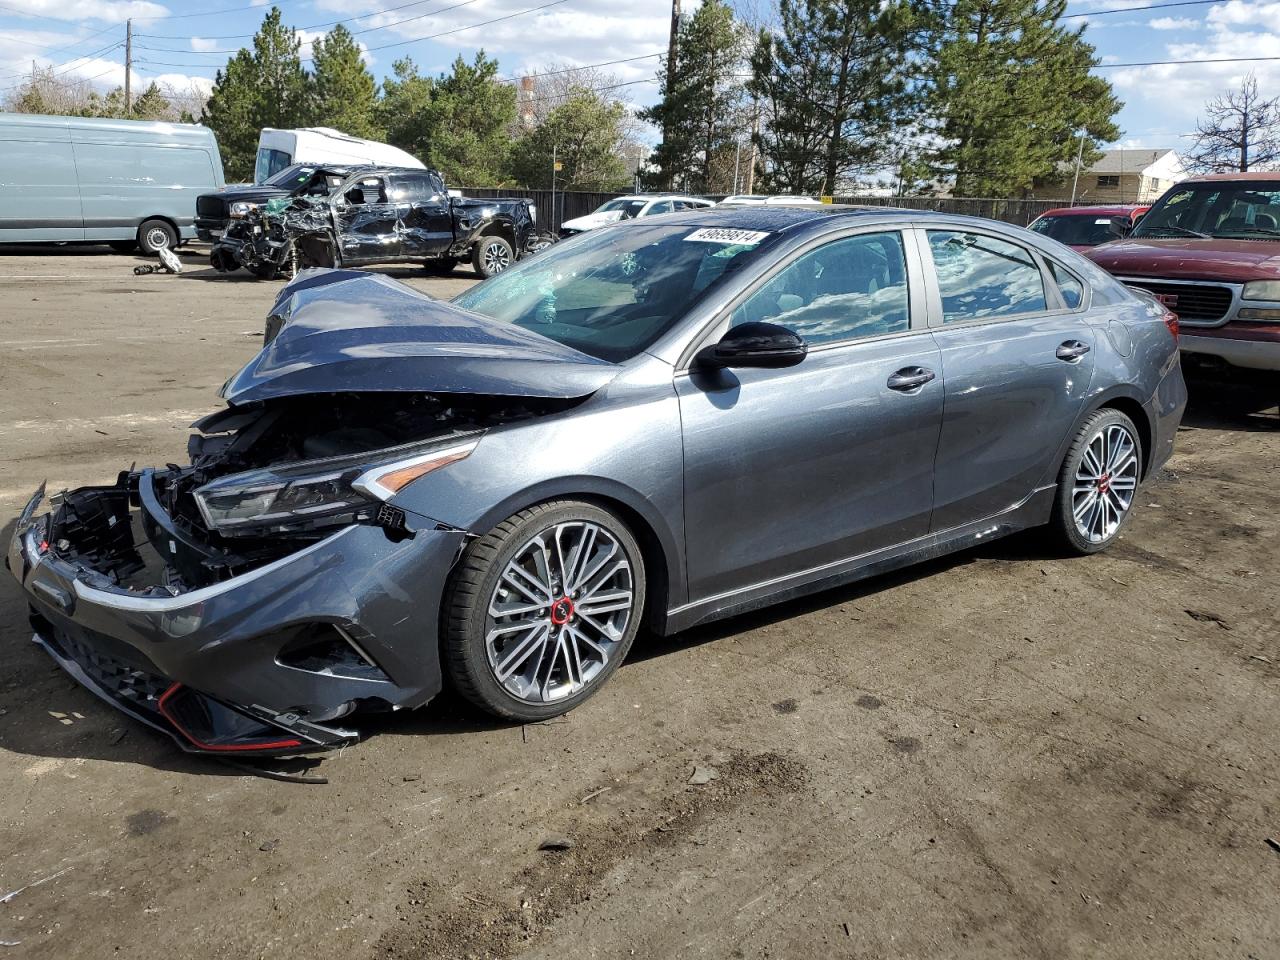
<point x="648" y="426"/>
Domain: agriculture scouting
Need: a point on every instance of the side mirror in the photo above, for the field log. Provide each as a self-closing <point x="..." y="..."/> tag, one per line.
<point x="1121" y="226"/>
<point x="756" y="345"/>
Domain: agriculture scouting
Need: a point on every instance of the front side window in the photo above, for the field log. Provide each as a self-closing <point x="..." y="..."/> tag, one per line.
<point x="982" y="278"/>
<point x="850" y="288"/>
<point x="366" y="190"/>
<point x="611" y="293"/>
<point x="269" y="163"/>
<point x="662" y="206"/>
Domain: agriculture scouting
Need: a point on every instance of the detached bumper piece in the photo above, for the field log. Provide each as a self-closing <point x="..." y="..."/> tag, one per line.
<point x="197" y="722"/>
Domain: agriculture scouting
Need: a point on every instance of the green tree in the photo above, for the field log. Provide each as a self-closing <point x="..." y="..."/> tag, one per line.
<point x="701" y="114"/>
<point x="345" y="93"/>
<point x="151" y="105"/>
<point x="466" y="124"/>
<point x="1010" y="91"/>
<point x="832" y="85"/>
<point x="263" y="88"/>
<point x="586" y="134"/>
<point x="404" y="107"/>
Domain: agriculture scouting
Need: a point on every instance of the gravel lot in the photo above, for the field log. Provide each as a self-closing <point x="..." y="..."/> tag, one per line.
<point x="999" y="754"/>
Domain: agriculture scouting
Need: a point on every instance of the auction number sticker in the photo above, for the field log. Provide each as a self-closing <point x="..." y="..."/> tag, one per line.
<point x="726" y="235"/>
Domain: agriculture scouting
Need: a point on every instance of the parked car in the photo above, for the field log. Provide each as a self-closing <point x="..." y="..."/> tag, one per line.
<point x="323" y="146"/>
<point x="1209" y="249"/>
<point x="1083" y="227"/>
<point x="369" y="215"/>
<point x="652" y="424"/>
<point x="761" y="199"/>
<point x="214" y="211"/>
<point x="632" y="208"/>
<point x="128" y="183"/>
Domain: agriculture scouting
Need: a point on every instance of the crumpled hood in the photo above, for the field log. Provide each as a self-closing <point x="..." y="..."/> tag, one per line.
<point x="1190" y="258"/>
<point x="347" y="331"/>
<point x="593" y="220"/>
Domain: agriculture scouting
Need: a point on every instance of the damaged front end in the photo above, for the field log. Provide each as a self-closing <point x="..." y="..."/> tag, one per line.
<point x="278" y="238"/>
<point x="247" y="601"/>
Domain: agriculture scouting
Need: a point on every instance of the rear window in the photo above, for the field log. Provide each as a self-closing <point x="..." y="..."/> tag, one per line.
<point x="982" y="278"/>
<point x="1078" y="230"/>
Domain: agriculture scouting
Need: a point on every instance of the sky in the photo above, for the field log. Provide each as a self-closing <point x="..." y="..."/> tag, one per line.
<point x="182" y="43"/>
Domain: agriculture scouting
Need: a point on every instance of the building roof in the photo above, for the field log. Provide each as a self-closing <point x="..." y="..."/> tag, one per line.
<point x="1127" y="161"/>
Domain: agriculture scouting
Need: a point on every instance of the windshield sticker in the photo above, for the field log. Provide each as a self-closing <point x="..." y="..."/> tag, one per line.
<point x="748" y="238"/>
<point x="1102" y="220"/>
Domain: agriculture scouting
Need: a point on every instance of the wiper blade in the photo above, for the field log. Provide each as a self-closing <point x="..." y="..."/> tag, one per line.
<point x="1251" y="232"/>
<point x="1184" y="231"/>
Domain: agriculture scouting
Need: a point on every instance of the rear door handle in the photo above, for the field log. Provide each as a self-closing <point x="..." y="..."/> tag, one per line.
<point x="1072" y="350"/>
<point x="910" y="378"/>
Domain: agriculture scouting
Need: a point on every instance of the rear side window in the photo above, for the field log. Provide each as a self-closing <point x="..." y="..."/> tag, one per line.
<point x="1069" y="285"/>
<point x="846" y="289"/>
<point x="982" y="278"/>
<point x="413" y="187"/>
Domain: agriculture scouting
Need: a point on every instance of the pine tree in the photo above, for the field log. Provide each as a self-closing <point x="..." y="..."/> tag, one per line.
<point x="1010" y="92"/>
<point x="265" y="88"/>
<point x="402" y="110"/>
<point x="345" y="93"/>
<point x="466" y="124"/>
<point x="832" y="85"/>
<point x="586" y="134"/>
<point x="702" y="113"/>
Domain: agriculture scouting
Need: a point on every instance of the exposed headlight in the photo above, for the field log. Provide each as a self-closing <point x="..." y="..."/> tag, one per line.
<point x="241" y="208"/>
<point x="264" y="501"/>
<point x="1262" y="290"/>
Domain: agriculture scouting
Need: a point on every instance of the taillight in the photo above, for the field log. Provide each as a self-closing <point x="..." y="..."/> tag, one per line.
<point x="1171" y="321"/>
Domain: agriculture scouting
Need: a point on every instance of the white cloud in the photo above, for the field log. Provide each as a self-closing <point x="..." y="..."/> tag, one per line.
<point x="1173" y="23"/>
<point x="200" y="45"/>
<point x="1173" y="96"/>
<point x="89" y="9"/>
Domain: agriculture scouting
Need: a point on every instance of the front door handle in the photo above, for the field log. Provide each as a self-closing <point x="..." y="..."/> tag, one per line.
<point x="910" y="378"/>
<point x="1072" y="350"/>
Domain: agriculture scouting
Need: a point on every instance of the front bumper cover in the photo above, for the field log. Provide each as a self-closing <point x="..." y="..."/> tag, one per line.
<point x="206" y="666"/>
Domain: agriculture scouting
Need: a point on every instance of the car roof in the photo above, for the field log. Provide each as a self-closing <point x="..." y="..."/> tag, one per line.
<point x="1250" y="175"/>
<point x="1112" y="208"/>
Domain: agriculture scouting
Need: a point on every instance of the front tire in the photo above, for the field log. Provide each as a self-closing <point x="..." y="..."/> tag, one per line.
<point x="1098" y="483"/>
<point x="543" y="609"/>
<point x="155" y="234"/>
<point x="491" y="255"/>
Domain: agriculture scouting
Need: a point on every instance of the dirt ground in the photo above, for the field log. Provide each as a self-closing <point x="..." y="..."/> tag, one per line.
<point x="999" y="754"/>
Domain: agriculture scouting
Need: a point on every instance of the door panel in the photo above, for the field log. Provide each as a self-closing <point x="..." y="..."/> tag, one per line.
<point x="1009" y="402"/>
<point x="41" y="192"/>
<point x="426" y="220"/>
<point x="367" y="223"/>
<point x="1016" y="371"/>
<point x="790" y="469"/>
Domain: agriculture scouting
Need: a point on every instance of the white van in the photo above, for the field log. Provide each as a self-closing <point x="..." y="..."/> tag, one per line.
<point x="124" y="182"/>
<point x="278" y="149"/>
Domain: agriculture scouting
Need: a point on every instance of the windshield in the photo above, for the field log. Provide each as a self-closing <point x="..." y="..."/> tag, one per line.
<point x="1235" y="209"/>
<point x="1076" y="230"/>
<point x="629" y="206"/>
<point x="613" y="292"/>
<point x="292" y="176"/>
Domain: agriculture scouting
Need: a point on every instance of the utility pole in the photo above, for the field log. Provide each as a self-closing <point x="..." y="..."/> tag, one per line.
<point x="673" y="45"/>
<point x="128" y="65"/>
<point x="1079" y="156"/>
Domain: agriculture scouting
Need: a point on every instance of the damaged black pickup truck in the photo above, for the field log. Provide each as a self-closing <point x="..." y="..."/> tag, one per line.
<point x="370" y="215"/>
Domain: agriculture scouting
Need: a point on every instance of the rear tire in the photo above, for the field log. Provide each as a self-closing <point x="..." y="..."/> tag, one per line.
<point x="154" y="234"/>
<point x="491" y="255"/>
<point x="1098" y="483"/>
<point x="542" y="609"/>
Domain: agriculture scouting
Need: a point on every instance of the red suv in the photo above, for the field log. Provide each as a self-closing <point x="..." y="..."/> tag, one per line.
<point x="1082" y="228"/>
<point x="1209" y="250"/>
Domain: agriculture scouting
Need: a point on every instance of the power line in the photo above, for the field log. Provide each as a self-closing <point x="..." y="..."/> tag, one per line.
<point x="1166" y="63"/>
<point x="314" y="26"/>
<point x="115" y="44"/>
<point x="1149" y="6"/>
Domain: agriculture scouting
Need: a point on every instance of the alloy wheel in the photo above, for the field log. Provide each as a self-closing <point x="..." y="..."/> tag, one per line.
<point x="496" y="257"/>
<point x="1106" y="481"/>
<point x="559" y="612"/>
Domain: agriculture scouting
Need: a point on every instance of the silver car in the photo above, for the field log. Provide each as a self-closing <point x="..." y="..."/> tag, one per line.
<point x="648" y="426"/>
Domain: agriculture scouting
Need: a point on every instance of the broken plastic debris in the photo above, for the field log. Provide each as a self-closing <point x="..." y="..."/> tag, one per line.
<point x="556" y="843"/>
<point x="703" y="775"/>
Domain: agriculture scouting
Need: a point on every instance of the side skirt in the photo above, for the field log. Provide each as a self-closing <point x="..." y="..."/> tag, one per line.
<point x="1032" y="512"/>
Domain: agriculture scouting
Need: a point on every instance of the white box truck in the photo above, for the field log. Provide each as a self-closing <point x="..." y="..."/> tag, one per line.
<point x="278" y="149"/>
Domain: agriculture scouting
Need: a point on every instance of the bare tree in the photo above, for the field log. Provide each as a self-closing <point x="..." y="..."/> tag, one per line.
<point x="1241" y="132"/>
<point x="46" y="92"/>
